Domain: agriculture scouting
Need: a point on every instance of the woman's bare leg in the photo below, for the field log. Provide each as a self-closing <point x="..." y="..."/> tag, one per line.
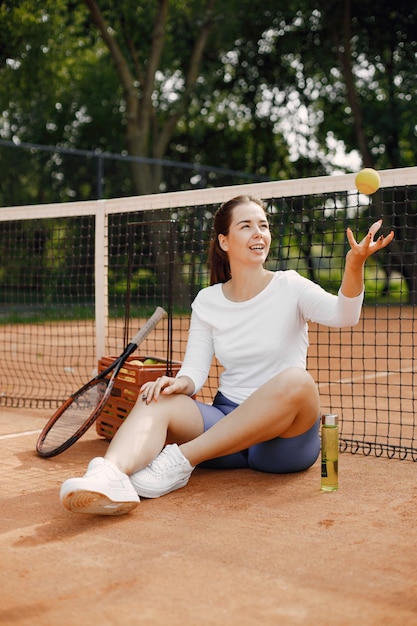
<point x="286" y="406"/>
<point x="149" y="427"/>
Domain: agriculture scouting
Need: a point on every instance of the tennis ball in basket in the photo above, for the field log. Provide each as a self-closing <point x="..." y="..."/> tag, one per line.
<point x="151" y="362"/>
<point x="136" y="362"/>
<point x="367" y="181"/>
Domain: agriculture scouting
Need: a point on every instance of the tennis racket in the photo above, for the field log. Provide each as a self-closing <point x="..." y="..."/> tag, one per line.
<point x="75" y="416"/>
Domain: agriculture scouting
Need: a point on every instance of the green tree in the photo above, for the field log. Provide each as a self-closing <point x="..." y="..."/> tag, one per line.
<point x="156" y="84"/>
<point x="276" y="89"/>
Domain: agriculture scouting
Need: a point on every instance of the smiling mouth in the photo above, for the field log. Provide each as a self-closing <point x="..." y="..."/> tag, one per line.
<point x="257" y="247"/>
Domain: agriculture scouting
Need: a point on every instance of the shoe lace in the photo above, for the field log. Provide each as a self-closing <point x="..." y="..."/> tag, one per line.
<point x="163" y="462"/>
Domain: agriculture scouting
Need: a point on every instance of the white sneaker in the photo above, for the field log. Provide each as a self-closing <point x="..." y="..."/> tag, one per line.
<point x="169" y="471"/>
<point x="103" y="490"/>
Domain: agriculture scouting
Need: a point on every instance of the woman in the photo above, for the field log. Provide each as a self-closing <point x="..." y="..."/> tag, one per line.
<point x="266" y="413"/>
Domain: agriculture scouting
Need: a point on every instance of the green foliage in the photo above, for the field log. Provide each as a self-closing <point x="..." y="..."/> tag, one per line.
<point x="271" y="89"/>
<point x="281" y="89"/>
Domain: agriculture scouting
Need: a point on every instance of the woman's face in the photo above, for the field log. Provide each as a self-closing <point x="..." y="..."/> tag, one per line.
<point x="249" y="237"/>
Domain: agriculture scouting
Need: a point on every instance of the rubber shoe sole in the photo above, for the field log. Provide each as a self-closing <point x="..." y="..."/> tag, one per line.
<point x="91" y="502"/>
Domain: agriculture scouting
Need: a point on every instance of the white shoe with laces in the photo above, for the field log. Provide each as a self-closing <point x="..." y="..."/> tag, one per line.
<point x="103" y="490"/>
<point x="169" y="471"/>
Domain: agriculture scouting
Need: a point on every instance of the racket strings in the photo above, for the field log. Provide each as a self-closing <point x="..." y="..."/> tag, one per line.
<point x="74" y="416"/>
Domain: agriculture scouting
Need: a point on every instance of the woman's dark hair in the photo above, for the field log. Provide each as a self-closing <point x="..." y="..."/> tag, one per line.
<point x="218" y="260"/>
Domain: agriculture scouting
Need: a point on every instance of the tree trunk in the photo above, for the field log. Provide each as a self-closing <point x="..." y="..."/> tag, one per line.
<point x="344" y="53"/>
<point x="144" y="136"/>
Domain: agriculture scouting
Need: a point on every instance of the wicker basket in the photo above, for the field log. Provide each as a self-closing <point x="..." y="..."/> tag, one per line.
<point x="126" y="389"/>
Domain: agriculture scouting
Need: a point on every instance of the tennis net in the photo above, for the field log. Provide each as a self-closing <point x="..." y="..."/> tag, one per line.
<point x="77" y="278"/>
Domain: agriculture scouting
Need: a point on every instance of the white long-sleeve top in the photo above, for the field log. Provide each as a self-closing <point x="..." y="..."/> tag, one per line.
<point x="258" y="338"/>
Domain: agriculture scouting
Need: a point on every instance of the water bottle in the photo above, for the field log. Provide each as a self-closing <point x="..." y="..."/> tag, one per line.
<point x="329" y="452"/>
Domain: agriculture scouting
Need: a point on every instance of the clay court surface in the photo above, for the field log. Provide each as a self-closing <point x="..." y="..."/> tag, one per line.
<point x="233" y="547"/>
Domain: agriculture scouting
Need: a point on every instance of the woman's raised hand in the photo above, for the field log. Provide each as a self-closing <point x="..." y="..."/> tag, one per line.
<point x="369" y="245"/>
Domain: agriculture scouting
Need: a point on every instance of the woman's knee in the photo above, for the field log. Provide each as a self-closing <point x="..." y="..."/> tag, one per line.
<point x="296" y="387"/>
<point x="166" y="412"/>
<point x="296" y="380"/>
<point x="185" y="420"/>
<point x="298" y="396"/>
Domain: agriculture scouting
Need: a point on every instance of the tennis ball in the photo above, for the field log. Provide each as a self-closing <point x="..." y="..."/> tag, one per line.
<point x="136" y="362"/>
<point x="151" y="362"/>
<point x="367" y="181"/>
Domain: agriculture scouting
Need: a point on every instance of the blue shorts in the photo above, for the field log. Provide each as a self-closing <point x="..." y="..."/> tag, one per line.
<point x="281" y="455"/>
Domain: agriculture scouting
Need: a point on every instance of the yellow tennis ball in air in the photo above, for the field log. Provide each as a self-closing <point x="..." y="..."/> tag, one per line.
<point x="367" y="181"/>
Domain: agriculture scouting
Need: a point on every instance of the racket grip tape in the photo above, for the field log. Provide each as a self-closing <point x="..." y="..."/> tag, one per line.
<point x="149" y="325"/>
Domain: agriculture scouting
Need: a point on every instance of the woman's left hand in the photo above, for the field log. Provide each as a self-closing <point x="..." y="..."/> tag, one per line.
<point x="359" y="252"/>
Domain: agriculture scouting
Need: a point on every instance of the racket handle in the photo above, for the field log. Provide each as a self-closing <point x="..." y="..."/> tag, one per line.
<point x="149" y="325"/>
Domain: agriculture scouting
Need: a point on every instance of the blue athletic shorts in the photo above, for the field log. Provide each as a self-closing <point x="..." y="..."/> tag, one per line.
<point x="281" y="455"/>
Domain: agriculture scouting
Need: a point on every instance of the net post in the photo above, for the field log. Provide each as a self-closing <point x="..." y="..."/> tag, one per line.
<point x="101" y="278"/>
